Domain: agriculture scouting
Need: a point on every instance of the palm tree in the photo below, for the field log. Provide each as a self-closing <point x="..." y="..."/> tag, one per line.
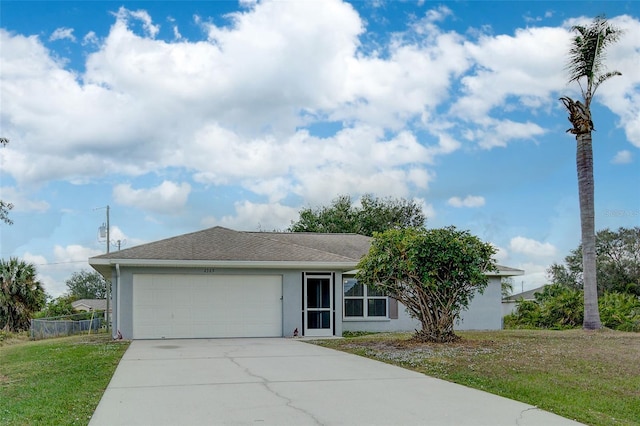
<point x="585" y="67"/>
<point x="21" y="294"/>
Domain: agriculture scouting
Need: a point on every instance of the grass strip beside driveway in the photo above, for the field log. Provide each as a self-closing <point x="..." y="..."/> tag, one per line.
<point x="592" y="377"/>
<point x="56" y="381"/>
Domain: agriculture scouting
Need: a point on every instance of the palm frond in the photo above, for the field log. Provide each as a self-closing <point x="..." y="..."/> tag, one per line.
<point x="604" y="77"/>
<point x="587" y="51"/>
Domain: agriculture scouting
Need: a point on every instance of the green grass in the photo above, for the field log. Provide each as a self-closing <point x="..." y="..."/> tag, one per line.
<point x="56" y="381"/>
<point x="593" y="377"/>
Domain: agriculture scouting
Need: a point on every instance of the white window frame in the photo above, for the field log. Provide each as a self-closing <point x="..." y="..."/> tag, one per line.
<point x="365" y="304"/>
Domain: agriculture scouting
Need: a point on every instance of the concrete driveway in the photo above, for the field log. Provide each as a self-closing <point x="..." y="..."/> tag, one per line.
<point x="288" y="382"/>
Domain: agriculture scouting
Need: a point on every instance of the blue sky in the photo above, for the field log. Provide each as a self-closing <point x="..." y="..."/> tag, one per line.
<point x="186" y="115"/>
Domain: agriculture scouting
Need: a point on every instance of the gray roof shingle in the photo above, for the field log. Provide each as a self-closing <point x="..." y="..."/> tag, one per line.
<point x="222" y="244"/>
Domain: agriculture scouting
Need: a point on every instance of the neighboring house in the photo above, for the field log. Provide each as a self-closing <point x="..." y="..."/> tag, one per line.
<point x="88" y="305"/>
<point x="510" y="303"/>
<point x="224" y="283"/>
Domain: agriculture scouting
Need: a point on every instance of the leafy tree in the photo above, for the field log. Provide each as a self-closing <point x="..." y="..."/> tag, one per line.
<point x="58" y="307"/>
<point x="21" y="294"/>
<point x="506" y="286"/>
<point x="374" y="215"/>
<point x="4" y="212"/>
<point x="434" y="273"/>
<point x="586" y="67"/>
<point x="87" y="285"/>
<point x="4" y="206"/>
<point x="617" y="263"/>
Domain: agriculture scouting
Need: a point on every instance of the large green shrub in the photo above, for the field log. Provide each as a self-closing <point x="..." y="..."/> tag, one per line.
<point x="620" y="311"/>
<point x="556" y="307"/>
<point x="561" y="307"/>
<point x="526" y="315"/>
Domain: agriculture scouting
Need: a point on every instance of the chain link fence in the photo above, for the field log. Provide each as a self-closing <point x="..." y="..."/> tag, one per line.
<point x="44" y="328"/>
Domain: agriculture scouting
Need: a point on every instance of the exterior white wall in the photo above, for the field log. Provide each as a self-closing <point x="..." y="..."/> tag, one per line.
<point x="509" y="307"/>
<point x="484" y="313"/>
<point x="485" y="310"/>
<point x="292" y="303"/>
<point x="403" y="323"/>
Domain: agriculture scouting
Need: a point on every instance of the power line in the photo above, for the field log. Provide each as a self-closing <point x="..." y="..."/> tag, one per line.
<point x="59" y="263"/>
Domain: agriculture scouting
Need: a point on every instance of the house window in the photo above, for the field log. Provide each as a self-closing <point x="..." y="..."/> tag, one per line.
<point x="361" y="301"/>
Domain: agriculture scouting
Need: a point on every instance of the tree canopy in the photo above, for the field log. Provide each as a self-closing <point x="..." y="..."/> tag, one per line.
<point x="21" y="294"/>
<point x="87" y="285"/>
<point x="617" y="263"/>
<point x="373" y="215"/>
<point x="435" y="273"/>
<point x="58" y="307"/>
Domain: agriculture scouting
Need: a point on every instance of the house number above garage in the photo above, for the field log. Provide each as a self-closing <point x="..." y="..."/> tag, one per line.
<point x="209" y="270"/>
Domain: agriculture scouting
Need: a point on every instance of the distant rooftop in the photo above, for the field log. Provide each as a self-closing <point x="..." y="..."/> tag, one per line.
<point x="526" y="295"/>
<point x="90" y="304"/>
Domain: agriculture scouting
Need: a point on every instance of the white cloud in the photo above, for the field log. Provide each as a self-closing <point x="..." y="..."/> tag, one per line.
<point x="254" y="216"/>
<point x="176" y="33"/>
<point x="66" y="260"/>
<point x="532" y="247"/>
<point x="527" y="64"/>
<point x="35" y="259"/>
<point x="437" y="14"/>
<point x="145" y="104"/>
<point x="468" y="201"/>
<point x="90" y="39"/>
<point x="427" y="208"/>
<point x="535" y="276"/>
<point x="126" y="15"/>
<point x="497" y="133"/>
<point x="502" y="255"/>
<point x="356" y="160"/>
<point x="622" y="157"/>
<point x="21" y="201"/>
<point x="62" y="34"/>
<point x="74" y="253"/>
<point x="168" y="197"/>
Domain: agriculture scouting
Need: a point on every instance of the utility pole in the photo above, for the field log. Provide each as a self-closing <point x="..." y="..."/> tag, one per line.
<point x="105" y="229"/>
<point x="109" y="283"/>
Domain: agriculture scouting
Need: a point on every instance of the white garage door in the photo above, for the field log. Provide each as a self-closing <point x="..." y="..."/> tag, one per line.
<point x="193" y="306"/>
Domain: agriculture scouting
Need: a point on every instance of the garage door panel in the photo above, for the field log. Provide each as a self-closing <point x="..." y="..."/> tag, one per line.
<point x="191" y="306"/>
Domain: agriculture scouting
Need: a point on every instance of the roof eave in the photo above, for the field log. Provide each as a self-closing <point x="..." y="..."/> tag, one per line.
<point x="506" y="273"/>
<point x="100" y="264"/>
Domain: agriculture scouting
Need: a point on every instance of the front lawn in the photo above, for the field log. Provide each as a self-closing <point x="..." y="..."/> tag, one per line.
<point x="593" y="377"/>
<point x="56" y="381"/>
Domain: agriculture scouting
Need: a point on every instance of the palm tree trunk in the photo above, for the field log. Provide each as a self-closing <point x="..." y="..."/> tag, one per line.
<point x="584" y="162"/>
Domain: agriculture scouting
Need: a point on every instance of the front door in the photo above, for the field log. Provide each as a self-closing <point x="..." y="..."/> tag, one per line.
<point x="318" y="309"/>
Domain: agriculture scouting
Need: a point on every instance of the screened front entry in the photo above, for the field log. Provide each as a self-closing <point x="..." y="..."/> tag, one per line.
<point x="318" y="301"/>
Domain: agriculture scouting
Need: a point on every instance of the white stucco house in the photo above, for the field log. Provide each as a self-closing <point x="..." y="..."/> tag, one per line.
<point x="224" y="283"/>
